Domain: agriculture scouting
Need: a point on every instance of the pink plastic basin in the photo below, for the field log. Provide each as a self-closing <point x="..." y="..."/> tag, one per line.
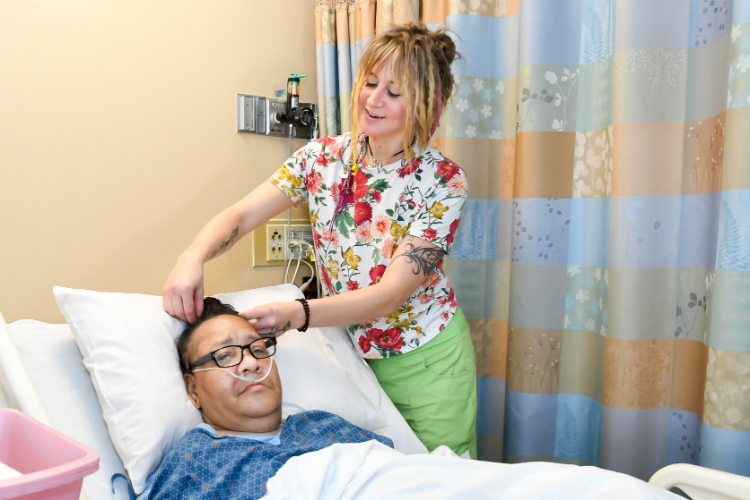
<point x="53" y="465"/>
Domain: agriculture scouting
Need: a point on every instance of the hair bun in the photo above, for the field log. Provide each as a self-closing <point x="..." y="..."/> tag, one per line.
<point x="445" y="44"/>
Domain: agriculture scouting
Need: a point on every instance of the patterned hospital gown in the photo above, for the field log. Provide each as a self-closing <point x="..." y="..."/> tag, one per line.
<point x="204" y="467"/>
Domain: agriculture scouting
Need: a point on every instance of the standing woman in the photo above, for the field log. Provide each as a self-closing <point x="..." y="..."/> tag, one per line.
<point x="384" y="207"/>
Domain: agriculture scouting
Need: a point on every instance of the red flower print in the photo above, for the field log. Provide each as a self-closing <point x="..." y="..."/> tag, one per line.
<point x="425" y="298"/>
<point x="409" y="168"/>
<point x="336" y="152"/>
<point x="326" y="278"/>
<point x="376" y="196"/>
<point x="328" y="140"/>
<point x="364" y="343"/>
<point x="333" y="236"/>
<point x="429" y="234"/>
<point x="440" y="265"/>
<point x="389" y="339"/>
<point x="452" y="234"/>
<point x="316" y="238"/>
<point x="322" y="160"/>
<point x="376" y="273"/>
<point x="313" y="183"/>
<point x="352" y="285"/>
<point x="362" y="212"/>
<point x="452" y="299"/>
<point x="359" y="187"/>
<point x="447" y="169"/>
<point x="441" y="328"/>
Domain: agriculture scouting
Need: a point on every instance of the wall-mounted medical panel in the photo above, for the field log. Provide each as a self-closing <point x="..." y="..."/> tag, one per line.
<point x="261" y="115"/>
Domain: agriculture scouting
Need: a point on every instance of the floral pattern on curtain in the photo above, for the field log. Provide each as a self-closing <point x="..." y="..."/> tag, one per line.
<point x="603" y="259"/>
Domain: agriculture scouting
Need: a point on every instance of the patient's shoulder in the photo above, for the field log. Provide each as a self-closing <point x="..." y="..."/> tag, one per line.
<point x="337" y="429"/>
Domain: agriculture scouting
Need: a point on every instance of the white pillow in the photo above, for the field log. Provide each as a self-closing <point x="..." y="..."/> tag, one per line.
<point x="128" y="346"/>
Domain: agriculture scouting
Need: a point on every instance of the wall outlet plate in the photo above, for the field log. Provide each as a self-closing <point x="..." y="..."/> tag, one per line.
<point x="275" y="242"/>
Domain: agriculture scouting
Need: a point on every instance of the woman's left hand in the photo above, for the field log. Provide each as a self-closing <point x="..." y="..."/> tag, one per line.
<point x="276" y="318"/>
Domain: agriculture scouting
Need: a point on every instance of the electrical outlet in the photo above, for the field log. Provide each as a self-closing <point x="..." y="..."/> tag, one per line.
<point x="270" y="240"/>
<point x="275" y="242"/>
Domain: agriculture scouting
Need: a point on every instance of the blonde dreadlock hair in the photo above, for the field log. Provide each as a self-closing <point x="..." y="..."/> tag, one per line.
<point x="421" y="65"/>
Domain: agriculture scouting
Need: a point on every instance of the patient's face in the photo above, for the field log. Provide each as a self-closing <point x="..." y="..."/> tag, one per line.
<point x="229" y="404"/>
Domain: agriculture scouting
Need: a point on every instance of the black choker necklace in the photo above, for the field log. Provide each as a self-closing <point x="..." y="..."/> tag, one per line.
<point x="377" y="163"/>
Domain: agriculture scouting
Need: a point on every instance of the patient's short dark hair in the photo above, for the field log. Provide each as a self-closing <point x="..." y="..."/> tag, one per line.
<point x="211" y="308"/>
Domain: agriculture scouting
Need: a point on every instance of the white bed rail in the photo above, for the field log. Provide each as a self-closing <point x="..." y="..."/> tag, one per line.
<point x="701" y="483"/>
<point x="17" y="385"/>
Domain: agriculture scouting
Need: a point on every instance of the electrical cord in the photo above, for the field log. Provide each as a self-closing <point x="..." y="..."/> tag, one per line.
<point x="302" y="245"/>
<point x="306" y="284"/>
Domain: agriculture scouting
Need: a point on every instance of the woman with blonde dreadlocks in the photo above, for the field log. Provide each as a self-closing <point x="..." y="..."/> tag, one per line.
<point x="384" y="207"/>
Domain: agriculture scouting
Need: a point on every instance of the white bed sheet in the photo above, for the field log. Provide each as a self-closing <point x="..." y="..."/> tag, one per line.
<point x="372" y="471"/>
<point x="56" y="368"/>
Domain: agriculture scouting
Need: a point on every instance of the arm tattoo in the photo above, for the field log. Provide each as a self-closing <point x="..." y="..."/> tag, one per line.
<point x="277" y="330"/>
<point x="425" y="259"/>
<point x="226" y="244"/>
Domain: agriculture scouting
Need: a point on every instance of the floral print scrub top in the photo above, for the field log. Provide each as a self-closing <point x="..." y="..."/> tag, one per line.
<point x="423" y="198"/>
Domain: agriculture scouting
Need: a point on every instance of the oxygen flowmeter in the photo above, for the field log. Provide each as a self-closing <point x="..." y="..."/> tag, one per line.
<point x="261" y="115"/>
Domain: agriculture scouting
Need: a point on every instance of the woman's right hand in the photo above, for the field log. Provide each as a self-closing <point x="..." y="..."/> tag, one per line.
<point x="182" y="294"/>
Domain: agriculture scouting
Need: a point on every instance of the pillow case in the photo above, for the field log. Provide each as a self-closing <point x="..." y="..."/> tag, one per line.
<point x="128" y="346"/>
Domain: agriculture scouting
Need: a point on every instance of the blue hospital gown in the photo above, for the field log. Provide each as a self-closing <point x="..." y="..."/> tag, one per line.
<point x="205" y="467"/>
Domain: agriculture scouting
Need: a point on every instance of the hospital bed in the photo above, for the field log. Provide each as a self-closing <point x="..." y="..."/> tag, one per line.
<point x="41" y="374"/>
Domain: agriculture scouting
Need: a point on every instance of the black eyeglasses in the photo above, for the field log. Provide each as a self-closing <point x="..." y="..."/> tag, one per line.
<point x="232" y="355"/>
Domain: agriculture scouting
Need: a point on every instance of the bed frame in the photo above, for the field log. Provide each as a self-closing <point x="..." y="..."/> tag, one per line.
<point x="700" y="483"/>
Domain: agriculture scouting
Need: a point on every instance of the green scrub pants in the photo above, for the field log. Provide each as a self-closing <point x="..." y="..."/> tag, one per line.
<point x="434" y="387"/>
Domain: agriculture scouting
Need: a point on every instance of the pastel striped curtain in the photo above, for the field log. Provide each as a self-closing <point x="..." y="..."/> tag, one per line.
<point x="604" y="256"/>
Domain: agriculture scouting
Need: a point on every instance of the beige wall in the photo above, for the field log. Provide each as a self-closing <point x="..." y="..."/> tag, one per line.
<point x="118" y="137"/>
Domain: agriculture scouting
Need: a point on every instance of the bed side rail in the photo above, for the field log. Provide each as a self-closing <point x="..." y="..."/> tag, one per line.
<point x="702" y="483"/>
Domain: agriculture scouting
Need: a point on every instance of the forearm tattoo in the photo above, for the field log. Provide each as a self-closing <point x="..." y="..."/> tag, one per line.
<point x="425" y="259"/>
<point x="226" y="244"/>
<point x="279" y="329"/>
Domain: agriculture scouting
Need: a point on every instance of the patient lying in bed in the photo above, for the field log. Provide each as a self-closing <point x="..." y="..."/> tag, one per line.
<point x="230" y="377"/>
<point x="243" y="449"/>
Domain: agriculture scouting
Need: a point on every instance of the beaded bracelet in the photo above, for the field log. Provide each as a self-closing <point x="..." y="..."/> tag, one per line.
<point x="306" y="306"/>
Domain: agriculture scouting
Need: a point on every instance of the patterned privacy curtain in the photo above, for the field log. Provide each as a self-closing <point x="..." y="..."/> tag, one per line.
<point x="604" y="254"/>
